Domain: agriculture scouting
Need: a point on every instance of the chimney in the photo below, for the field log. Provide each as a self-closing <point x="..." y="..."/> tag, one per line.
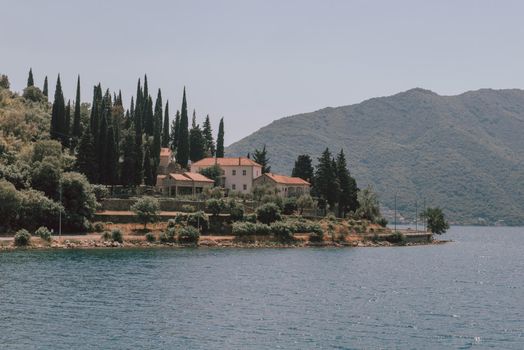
<point x="239" y="160"/>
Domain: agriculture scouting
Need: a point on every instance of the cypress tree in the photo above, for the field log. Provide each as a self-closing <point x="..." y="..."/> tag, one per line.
<point x="58" y="113"/>
<point x="30" y="81"/>
<point x="197" y="143"/>
<point x="175" y="128"/>
<point x="326" y="182"/>
<point x="261" y="158"/>
<point x="45" y="90"/>
<point x="303" y="168"/>
<point x="165" y="128"/>
<point x="129" y="157"/>
<point x="220" y="139"/>
<point x="347" y="200"/>
<point x="149" y="116"/>
<point x="208" y="135"/>
<point x="67" y="124"/>
<point x="149" y="178"/>
<point x="157" y="139"/>
<point x="139" y="156"/>
<point x="183" y="133"/>
<point x="77" y="132"/>
<point x="110" y="165"/>
<point x="86" y="158"/>
<point x="95" y="112"/>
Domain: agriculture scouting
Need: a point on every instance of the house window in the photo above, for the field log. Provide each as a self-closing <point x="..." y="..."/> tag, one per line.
<point x="234" y="172"/>
<point x="244" y="172"/>
<point x="245" y="186"/>
<point x="233" y="187"/>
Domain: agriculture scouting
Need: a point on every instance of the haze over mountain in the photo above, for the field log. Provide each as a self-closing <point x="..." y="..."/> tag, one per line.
<point x="464" y="153"/>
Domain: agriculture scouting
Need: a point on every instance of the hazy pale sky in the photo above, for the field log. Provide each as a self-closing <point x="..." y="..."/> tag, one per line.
<point x="256" y="61"/>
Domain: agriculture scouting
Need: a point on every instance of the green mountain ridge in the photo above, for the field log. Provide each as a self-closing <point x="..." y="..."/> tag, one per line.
<point x="464" y="153"/>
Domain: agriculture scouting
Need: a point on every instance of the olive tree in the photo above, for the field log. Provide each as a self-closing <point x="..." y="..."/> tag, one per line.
<point x="436" y="222"/>
<point x="147" y="209"/>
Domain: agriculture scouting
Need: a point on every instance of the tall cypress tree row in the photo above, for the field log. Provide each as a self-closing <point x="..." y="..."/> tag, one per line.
<point x="175" y="128"/>
<point x="197" y="142"/>
<point x="77" y="131"/>
<point x="45" y="90"/>
<point x="139" y="108"/>
<point x="183" y="135"/>
<point x="165" y="128"/>
<point x="326" y="182"/>
<point x="129" y="157"/>
<point x="110" y="165"/>
<point x="58" y="113"/>
<point x="220" y="139"/>
<point x="95" y="112"/>
<point x="208" y="135"/>
<point x="347" y="199"/>
<point x="157" y="128"/>
<point x="149" y="178"/>
<point x="30" y="81"/>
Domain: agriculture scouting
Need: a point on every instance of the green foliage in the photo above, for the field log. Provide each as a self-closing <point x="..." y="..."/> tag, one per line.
<point x="188" y="208"/>
<point x="236" y="210"/>
<point x="98" y="226"/>
<point x="117" y="236"/>
<point x="44" y="233"/>
<point x="45" y="177"/>
<point x="37" y="210"/>
<point x="215" y="206"/>
<point x="261" y="157"/>
<point x="189" y="234"/>
<point x="182" y="155"/>
<point x="106" y="236"/>
<point x="4" y="82"/>
<point x="305" y="201"/>
<point x="326" y="183"/>
<point x="250" y="218"/>
<point x="368" y="204"/>
<point x="396" y="237"/>
<point x="147" y="209"/>
<point x="197" y="144"/>
<point x="9" y="203"/>
<point x="169" y="236"/>
<point x="198" y="220"/>
<point x="303" y="168"/>
<point x="289" y="206"/>
<point x="220" y="139"/>
<point x="46" y="149"/>
<point x="249" y="228"/>
<point x="208" y="135"/>
<point x="268" y="213"/>
<point x="214" y="173"/>
<point x="436" y="222"/>
<point x="101" y="192"/>
<point x="150" y="237"/>
<point x="382" y="222"/>
<point x="171" y="223"/>
<point x="34" y="94"/>
<point x="79" y="201"/>
<point x="22" y="238"/>
<point x="347" y="197"/>
<point x="282" y="231"/>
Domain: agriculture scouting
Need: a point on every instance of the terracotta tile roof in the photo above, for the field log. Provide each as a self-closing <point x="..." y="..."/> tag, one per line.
<point x="165" y="152"/>
<point x="206" y="162"/>
<point x="190" y="177"/>
<point x="286" y="180"/>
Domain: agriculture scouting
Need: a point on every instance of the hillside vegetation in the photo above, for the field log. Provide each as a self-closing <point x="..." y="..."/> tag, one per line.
<point x="464" y="153"/>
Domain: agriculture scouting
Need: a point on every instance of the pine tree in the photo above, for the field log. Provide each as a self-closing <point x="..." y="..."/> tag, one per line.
<point x="45" y="90"/>
<point x="175" y="128"/>
<point x="261" y="158"/>
<point x="30" y="81"/>
<point x="303" y="168"/>
<point x="86" y="158"/>
<point x="197" y="143"/>
<point x="157" y="126"/>
<point x="208" y="135"/>
<point x="77" y="131"/>
<point x="183" y="133"/>
<point x="347" y="200"/>
<point x="165" y="131"/>
<point x="220" y="139"/>
<point x="58" y="113"/>
<point x="129" y="157"/>
<point x="326" y="182"/>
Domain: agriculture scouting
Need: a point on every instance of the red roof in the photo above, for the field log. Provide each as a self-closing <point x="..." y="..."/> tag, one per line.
<point x="190" y="177"/>
<point x="286" y="180"/>
<point x="207" y="162"/>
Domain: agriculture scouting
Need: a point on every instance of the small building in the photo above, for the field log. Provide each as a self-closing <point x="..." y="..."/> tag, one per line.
<point x="286" y="186"/>
<point x="237" y="173"/>
<point x="166" y="163"/>
<point x="187" y="183"/>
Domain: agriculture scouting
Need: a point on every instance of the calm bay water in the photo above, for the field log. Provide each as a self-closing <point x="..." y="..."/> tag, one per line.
<point x="461" y="295"/>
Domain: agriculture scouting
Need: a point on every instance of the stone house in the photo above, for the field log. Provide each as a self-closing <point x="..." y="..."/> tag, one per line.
<point x="174" y="185"/>
<point x="285" y="186"/>
<point x="237" y="173"/>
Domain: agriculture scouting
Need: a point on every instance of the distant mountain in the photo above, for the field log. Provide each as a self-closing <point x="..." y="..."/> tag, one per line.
<point x="464" y="153"/>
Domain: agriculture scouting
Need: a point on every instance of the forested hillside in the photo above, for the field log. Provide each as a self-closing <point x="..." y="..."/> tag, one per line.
<point x="464" y="153"/>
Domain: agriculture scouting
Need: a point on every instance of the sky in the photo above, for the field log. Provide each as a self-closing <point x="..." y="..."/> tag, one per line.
<point x="253" y="62"/>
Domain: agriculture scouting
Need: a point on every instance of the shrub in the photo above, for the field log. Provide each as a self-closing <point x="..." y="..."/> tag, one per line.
<point x="171" y="223"/>
<point x="272" y="198"/>
<point x="150" y="237"/>
<point x="180" y="219"/>
<point x="37" y="210"/>
<point x="249" y="228"/>
<point x="305" y="201"/>
<point x="106" y="236"/>
<point x="236" y="211"/>
<point x="215" y="206"/>
<point x="189" y="235"/>
<point x="44" y="233"/>
<point x="289" y="206"/>
<point x="198" y="220"/>
<point x="187" y="208"/>
<point x="250" y="218"/>
<point x="396" y="237"/>
<point x="22" y="238"/>
<point x="168" y="236"/>
<point x="9" y="202"/>
<point x="268" y="213"/>
<point x="99" y="226"/>
<point x="100" y="192"/>
<point x="78" y="200"/>
<point x="147" y="209"/>
<point x="117" y="236"/>
<point x="34" y="94"/>
<point x="282" y="231"/>
<point x="382" y="222"/>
